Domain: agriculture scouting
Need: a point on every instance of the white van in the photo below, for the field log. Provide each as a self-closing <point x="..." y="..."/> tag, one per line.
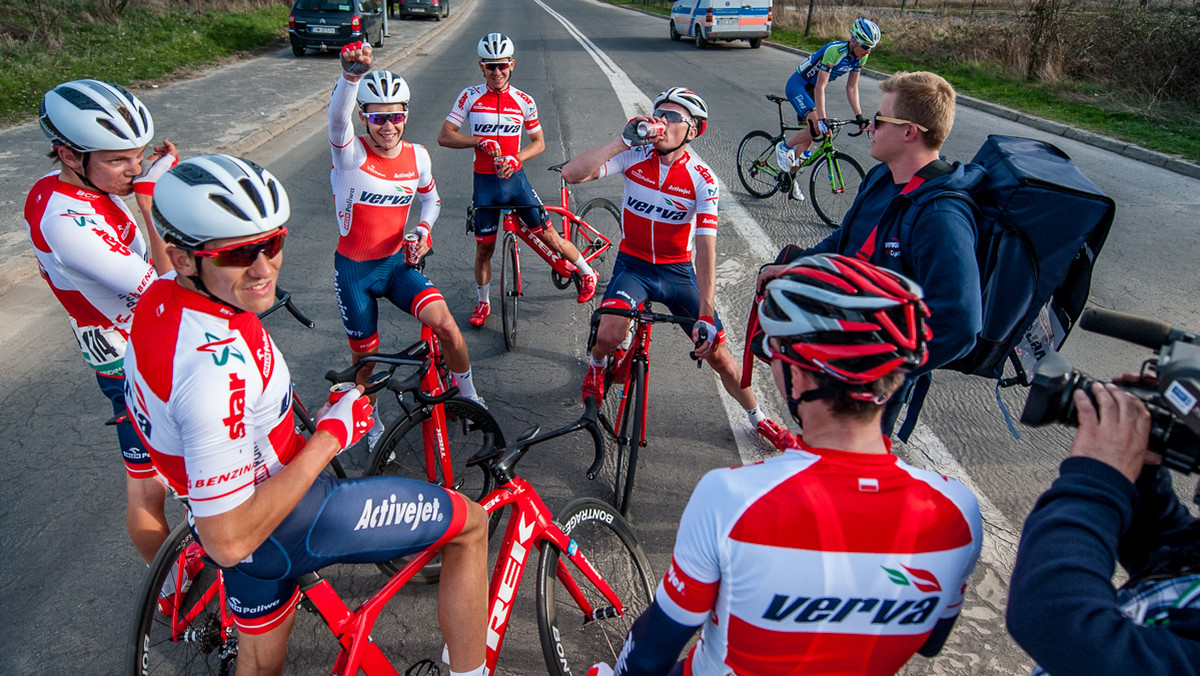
<point x="708" y="20"/>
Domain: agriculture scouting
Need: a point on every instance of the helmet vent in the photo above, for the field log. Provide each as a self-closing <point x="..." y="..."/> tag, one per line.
<point x="78" y="99"/>
<point x="274" y="196"/>
<point x="224" y="202"/>
<point x="110" y="128"/>
<point x="248" y="186"/>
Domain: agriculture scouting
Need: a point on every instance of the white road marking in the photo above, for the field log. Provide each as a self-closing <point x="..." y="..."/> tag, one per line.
<point x="924" y="449"/>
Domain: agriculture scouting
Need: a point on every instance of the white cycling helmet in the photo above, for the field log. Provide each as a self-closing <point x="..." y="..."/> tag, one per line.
<point x="690" y="101"/>
<point x="865" y="32"/>
<point x="88" y="115"/>
<point x="216" y="196"/>
<point x="495" y="46"/>
<point x="381" y="86"/>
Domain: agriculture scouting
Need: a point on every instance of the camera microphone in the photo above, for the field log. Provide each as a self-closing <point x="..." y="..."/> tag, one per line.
<point x="1150" y="333"/>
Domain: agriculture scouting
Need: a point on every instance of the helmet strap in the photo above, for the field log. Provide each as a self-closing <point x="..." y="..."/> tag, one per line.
<point x="203" y="290"/>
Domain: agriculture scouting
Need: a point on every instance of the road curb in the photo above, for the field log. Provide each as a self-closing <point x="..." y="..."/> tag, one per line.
<point x="320" y="101"/>
<point x="1130" y="150"/>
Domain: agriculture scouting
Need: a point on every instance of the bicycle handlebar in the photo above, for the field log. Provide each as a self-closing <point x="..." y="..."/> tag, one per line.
<point x="646" y="317"/>
<point x="283" y="299"/>
<point x="416" y="355"/>
<point x="505" y="459"/>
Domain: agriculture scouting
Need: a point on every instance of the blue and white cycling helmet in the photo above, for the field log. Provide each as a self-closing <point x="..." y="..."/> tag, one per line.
<point x="495" y="46"/>
<point x="690" y="101"/>
<point x="211" y="197"/>
<point x="865" y="32"/>
<point x="88" y="115"/>
<point x="381" y="86"/>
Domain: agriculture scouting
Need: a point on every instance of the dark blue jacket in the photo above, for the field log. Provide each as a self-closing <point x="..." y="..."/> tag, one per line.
<point x="938" y="252"/>
<point x="1062" y="607"/>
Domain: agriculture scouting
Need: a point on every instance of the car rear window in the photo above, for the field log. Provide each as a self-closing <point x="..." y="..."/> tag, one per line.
<point x="324" y="6"/>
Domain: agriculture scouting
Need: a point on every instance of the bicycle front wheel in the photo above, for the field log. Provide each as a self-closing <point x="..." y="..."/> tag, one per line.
<point x="509" y="292"/>
<point x="629" y="437"/>
<point x="469" y="429"/>
<point x="605" y="217"/>
<point x="833" y="185"/>
<point x="572" y="641"/>
<point x="756" y="165"/>
<point x="181" y="627"/>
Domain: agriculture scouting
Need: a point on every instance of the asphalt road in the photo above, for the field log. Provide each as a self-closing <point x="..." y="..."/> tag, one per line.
<point x="78" y="606"/>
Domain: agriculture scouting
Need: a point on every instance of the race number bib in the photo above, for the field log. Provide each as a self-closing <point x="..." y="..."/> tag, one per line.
<point x="103" y="349"/>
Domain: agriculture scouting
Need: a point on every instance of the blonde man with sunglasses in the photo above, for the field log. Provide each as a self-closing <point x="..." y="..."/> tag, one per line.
<point x="376" y="178"/>
<point x="899" y="222"/>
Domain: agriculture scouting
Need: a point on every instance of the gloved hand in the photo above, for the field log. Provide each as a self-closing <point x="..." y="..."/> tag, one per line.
<point x="818" y="129"/>
<point x="489" y="147"/>
<point x="144" y="184"/>
<point x="348" y="419"/>
<point x="356" y="58"/>
<point x="861" y="121"/>
<point x="506" y="166"/>
<point x="709" y="328"/>
<point x="630" y="134"/>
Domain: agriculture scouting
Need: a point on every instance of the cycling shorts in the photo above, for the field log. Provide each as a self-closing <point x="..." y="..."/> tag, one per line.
<point x="493" y="191"/>
<point x="800" y="93"/>
<point x="359" y="283"/>
<point x="635" y="281"/>
<point x="366" y="520"/>
<point x="135" y="455"/>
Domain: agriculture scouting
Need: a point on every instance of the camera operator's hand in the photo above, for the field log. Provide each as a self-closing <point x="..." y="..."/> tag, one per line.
<point x="1118" y="435"/>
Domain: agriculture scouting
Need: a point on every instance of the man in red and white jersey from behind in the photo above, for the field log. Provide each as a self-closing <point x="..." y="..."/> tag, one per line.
<point x="834" y="557"/>
<point x="494" y="114"/>
<point x="669" y="217"/>
<point x="91" y="254"/>
<point x="210" y="394"/>
<point x="376" y="178"/>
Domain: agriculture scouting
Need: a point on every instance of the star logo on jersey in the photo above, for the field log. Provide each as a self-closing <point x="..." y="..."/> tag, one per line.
<point x="222" y="356"/>
<point x="81" y="220"/>
<point x="923" y="580"/>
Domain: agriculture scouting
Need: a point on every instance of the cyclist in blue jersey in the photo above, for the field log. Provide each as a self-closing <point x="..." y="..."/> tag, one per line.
<point x="806" y="91"/>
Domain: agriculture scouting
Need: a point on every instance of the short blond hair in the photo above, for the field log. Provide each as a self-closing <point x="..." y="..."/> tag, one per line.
<point x="925" y="98"/>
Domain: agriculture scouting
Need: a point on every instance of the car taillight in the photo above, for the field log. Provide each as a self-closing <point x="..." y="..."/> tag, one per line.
<point x="433" y="2"/>
<point x="356" y="23"/>
<point x="770" y="15"/>
<point x="708" y="17"/>
<point x="291" y="20"/>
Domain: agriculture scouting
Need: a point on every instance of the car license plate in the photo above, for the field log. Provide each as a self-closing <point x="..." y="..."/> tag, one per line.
<point x="727" y="22"/>
<point x="323" y="30"/>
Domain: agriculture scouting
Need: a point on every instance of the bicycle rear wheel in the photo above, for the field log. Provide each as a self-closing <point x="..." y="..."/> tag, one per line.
<point x="469" y="429"/>
<point x="190" y="637"/>
<point x="509" y="292"/>
<point x="833" y="185"/>
<point x="571" y="642"/>
<point x="756" y="164"/>
<point x="629" y="438"/>
<point x="605" y="217"/>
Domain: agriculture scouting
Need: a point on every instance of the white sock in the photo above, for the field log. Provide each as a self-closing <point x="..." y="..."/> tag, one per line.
<point x="482" y="290"/>
<point x="466" y="386"/>
<point x="584" y="268"/>
<point x="599" y="364"/>
<point x="755" y="415"/>
<point x="477" y="671"/>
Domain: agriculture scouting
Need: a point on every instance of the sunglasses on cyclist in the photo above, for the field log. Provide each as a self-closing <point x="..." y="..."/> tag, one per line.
<point x="671" y="115"/>
<point x="243" y="255"/>
<point x="895" y="120"/>
<point x="502" y="66"/>
<point x="383" y="118"/>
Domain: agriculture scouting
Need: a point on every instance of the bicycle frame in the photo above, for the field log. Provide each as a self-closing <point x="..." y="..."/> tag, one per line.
<point x="433" y="430"/>
<point x="639" y="350"/>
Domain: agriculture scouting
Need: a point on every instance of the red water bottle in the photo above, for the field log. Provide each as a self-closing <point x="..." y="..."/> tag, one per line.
<point x="651" y="129"/>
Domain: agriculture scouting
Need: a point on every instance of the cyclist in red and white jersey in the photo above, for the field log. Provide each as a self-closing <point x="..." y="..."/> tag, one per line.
<point x="669" y="216"/>
<point x="210" y="394"/>
<point x="495" y="113"/>
<point x="834" y="557"/>
<point x="91" y="254"/>
<point x="375" y="179"/>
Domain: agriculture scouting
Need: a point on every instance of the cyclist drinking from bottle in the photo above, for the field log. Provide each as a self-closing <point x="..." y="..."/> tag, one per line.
<point x="654" y="260"/>
<point x="495" y="113"/>
<point x="375" y="178"/>
<point x="210" y="394"/>
<point x="806" y="91"/>
<point x="836" y="556"/>
<point x="91" y="254"/>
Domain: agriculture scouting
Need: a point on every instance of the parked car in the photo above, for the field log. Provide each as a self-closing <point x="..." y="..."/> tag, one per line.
<point x="434" y="8"/>
<point x="706" y="21"/>
<point x="333" y="24"/>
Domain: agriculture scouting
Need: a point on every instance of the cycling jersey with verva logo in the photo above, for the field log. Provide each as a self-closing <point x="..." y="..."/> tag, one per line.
<point x="664" y="208"/>
<point x="496" y="115"/>
<point x="91" y="254"/>
<point x="210" y="396"/>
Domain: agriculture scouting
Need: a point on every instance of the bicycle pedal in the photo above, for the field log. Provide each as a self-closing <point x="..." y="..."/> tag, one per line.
<point x="424" y="668"/>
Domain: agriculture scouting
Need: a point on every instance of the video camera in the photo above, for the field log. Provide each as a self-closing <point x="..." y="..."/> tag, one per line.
<point x="1174" y="404"/>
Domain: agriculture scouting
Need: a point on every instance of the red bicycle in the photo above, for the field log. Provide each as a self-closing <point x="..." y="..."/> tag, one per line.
<point x="583" y="230"/>
<point x="585" y="603"/>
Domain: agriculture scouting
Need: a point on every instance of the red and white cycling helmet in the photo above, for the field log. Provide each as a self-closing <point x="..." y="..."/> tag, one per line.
<point x="211" y="197"/>
<point x="381" y="86"/>
<point x="690" y="101"/>
<point x="845" y="317"/>
<point x="495" y="46"/>
<point x="88" y="115"/>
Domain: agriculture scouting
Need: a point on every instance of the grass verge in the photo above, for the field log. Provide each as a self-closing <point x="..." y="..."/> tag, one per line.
<point x="1174" y="130"/>
<point x="145" y="46"/>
